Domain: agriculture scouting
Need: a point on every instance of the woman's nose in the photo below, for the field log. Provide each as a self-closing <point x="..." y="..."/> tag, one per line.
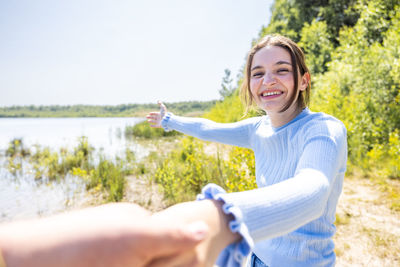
<point x="268" y="79"/>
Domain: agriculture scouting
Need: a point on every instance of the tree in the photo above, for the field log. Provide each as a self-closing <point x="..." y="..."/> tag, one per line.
<point x="227" y="88"/>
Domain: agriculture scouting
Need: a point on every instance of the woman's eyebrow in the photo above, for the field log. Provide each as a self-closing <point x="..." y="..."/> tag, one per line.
<point x="256" y="67"/>
<point x="282" y="62"/>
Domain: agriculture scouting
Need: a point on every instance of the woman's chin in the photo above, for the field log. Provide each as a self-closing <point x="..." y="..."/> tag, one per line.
<point x="270" y="107"/>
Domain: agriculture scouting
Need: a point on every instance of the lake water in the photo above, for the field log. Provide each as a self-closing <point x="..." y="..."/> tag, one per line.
<point x="23" y="197"/>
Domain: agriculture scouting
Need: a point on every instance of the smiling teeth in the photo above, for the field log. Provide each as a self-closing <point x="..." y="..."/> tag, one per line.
<point x="271" y="93"/>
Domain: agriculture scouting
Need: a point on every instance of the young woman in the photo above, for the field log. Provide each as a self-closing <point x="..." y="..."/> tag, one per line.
<point x="300" y="164"/>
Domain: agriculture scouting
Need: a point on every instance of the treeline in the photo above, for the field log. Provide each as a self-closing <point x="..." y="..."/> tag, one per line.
<point x="124" y="110"/>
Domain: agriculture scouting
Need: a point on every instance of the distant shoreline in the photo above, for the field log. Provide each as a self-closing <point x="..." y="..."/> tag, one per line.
<point x="194" y="108"/>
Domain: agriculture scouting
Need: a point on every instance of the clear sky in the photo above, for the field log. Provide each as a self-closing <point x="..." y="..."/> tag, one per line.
<point x="103" y="52"/>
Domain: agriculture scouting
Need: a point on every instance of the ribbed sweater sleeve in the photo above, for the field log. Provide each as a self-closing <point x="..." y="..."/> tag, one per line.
<point x="236" y="133"/>
<point x="285" y="206"/>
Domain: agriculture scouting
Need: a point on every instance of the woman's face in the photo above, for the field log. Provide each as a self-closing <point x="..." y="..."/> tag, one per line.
<point x="271" y="78"/>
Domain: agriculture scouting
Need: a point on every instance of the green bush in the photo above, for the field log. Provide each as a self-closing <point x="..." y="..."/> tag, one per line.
<point x="239" y="170"/>
<point x="362" y="86"/>
<point x="16" y="148"/>
<point x="187" y="169"/>
<point x="229" y="110"/>
<point x="315" y="40"/>
<point x="15" y="154"/>
<point x="143" y="130"/>
<point x="110" y="177"/>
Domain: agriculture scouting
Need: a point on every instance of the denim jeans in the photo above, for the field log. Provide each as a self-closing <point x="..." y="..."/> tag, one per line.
<point x="256" y="262"/>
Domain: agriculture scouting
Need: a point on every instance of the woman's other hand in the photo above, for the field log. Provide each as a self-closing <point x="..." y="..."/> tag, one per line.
<point x="155" y="118"/>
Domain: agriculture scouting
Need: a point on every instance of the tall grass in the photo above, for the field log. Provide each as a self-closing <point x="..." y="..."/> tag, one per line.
<point x="108" y="176"/>
<point x="188" y="168"/>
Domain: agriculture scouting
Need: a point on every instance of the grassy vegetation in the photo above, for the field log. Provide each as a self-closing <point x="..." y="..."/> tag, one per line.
<point x="109" y="176"/>
<point x="188" y="168"/>
<point x="48" y="164"/>
<point x="16" y="148"/>
<point x="100" y="174"/>
<point x="15" y="154"/>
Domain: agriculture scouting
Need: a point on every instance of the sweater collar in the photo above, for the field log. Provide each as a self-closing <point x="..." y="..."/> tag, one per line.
<point x="301" y="115"/>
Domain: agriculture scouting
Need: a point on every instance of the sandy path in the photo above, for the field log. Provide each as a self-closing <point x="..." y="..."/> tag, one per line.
<point x="144" y="192"/>
<point x="368" y="231"/>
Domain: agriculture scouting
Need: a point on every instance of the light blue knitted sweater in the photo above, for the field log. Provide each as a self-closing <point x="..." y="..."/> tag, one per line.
<point x="299" y="170"/>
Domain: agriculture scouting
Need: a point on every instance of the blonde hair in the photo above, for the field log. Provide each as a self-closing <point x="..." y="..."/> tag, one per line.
<point x="298" y="63"/>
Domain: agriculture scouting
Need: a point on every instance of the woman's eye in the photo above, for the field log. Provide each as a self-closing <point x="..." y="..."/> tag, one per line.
<point x="283" y="71"/>
<point x="257" y="74"/>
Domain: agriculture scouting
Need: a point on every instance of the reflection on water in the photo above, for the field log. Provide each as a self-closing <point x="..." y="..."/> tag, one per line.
<point x="23" y="197"/>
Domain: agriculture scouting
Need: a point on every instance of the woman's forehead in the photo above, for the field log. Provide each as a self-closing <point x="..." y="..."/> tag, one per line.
<point x="271" y="55"/>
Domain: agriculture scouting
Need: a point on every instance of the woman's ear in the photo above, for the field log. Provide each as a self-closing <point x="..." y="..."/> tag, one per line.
<point x="305" y="81"/>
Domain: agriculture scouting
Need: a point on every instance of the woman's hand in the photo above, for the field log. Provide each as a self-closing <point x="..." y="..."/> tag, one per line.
<point x="155" y="118"/>
<point x="206" y="252"/>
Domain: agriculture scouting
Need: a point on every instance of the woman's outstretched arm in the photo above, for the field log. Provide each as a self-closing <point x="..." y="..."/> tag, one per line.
<point x="237" y="133"/>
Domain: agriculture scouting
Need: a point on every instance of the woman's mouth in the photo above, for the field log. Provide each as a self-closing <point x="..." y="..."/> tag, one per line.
<point x="271" y="94"/>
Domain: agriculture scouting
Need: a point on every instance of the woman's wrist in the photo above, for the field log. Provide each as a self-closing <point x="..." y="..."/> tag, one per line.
<point x="226" y="235"/>
<point x="242" y="243"/>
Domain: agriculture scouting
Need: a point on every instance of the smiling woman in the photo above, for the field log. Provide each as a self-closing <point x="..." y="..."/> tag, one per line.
<point x="300" y="159"/>
<point x="277" y="78"/>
